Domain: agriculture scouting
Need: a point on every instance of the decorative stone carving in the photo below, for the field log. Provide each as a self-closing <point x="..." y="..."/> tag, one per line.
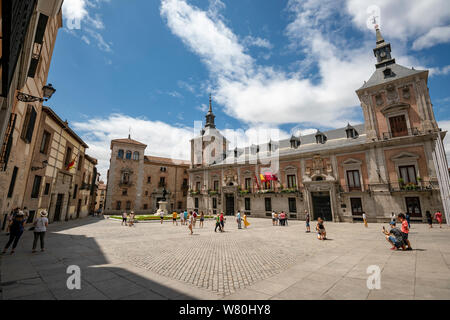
<point x="379" y="99"/>
<point x="317" y="165"/>
<point x="229" y="177"/>
<point x="391" y="93"/>
<point x="406" y="93"/>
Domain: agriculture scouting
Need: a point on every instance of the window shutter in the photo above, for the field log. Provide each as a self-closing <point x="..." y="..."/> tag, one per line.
<point x="40" y="30"/>
<point x="30" y="127"/>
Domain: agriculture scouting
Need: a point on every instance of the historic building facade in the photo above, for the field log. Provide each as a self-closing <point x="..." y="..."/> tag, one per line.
<point x="394" y="162"/>
<point x="137" y="182"/>
<point x="36" y="146"/>
<point x="100" y="196"/>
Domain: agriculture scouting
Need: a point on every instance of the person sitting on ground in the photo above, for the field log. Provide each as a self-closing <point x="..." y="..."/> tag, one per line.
<point x="405" y="230"/>
<point x="394" y="237"/>
<point x="320" y="228"/>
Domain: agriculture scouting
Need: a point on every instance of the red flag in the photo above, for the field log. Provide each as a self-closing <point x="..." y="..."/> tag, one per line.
<point x="257" y="183"/>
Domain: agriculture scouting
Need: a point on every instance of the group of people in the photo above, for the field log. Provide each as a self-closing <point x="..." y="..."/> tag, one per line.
<point x="16" y="227"/>
<point x="279" y="219"/>
<point x="128" y="219"/>
<point x="437" y="217"/>
<point x="398" y="238"/>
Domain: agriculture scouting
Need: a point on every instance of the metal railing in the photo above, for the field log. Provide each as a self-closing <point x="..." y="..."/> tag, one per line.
<point x="413" y="187"/>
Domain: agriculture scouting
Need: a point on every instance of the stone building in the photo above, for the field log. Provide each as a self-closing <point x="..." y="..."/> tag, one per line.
<point x="394" y="162"/>
<point x="100" y="197"/>
<point x="30" y="29"/>
<point x="61" y="176"/>
<point x="137" y="182"/>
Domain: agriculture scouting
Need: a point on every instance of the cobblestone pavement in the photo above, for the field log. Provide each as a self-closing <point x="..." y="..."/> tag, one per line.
<point x="154" y="261"/>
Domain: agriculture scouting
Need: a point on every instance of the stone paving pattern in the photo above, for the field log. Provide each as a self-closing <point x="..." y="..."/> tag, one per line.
<point x="154" y="261"/>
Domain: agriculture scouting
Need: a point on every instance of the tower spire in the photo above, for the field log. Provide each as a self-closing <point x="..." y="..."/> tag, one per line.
<point x="210" y="115"/>
<point x="382" y="50"/>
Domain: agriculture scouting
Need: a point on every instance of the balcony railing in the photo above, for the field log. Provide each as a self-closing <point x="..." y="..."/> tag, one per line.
<point x="125" y="183"/>
<point x="347" y="189"/>
<point x="409" y="132"/>
<point x="413" y="187"/>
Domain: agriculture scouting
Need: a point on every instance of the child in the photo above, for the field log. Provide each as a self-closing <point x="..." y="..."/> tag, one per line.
<point x="320" y="228"/>
<point x="364" y="219"/>
<point x="405" y="230"/>
<point x="438" y="217"/>
<point x="174" y="218"/>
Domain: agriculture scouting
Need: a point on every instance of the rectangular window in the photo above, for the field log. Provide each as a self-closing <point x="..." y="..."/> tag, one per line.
<point x="353" y="180"/>
<point x="80" y="162"/>
<point x="68" y="158"/>
<point x="145" y="206"/>
<point x="162" y="181"/>
<point x="248" y="184"/>
<point x="268" y="203"/>
<point x="214" y="203"/>
<point x="47" y="189"/>
<point x="119" y="205"/>
<point x="357" y="208"/>
<point x="399" y="127"/>
<point x="292" y="205"/>
<point x="28" y="124"/>
<point x="291" y="183"/>
<point x="13" y="182"/>
<point x="149" y="179"/>
<point x="180" y="205"/>
<point x="197" y="186"/>
<point x="36" y="187"/>
<point x="196" y="203"/>
<point x="408" y="174"/>
<point x="216" y="185"/>
<point x="247" y="204"/>
<point x="128" y="205"/>
<point x="125" y="192"/>
<point x="45" y="142"/>
<point x="75" y="191"/>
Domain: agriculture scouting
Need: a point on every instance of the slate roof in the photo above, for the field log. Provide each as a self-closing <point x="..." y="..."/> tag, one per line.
<point x="168" y="161"/>
<point x="129" y="141"/>
<point x="336" y="138"/>
<point x="398" y="72"/>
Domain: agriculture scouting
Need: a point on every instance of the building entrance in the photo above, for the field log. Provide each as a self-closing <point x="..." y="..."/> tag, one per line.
<point x="229" y="205"/>
<point x="322" y="206"/>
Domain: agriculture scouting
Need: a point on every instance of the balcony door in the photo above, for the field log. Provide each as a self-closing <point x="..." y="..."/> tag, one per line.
<point x="399" y="127"/>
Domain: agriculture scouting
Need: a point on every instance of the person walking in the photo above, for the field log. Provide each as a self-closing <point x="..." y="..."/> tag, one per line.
<point x="286" y="219"/>
<point x="202" y="219"/>
<point x="308" y="220"/>
<point x="365" y="219"/>
<point x="246" y="223"/>
<point x="182" y="218"/>
<point x="274" y="219"/>
<point x="238" y="220"/>
<point x="438" y="217"/>
<point x="124" y="218"/>
<point x="131" y="219"/>
<point x="15" y="232"/>
<point x="191" y="223"/>
<point x="161" y="215"/>
<point x="222" y="222"/>
<point x="429" y="219"/>
<point x="185" y="217"/>
<point x="195" y="217"/>
<point x="174" y="218"/>
<point x="408" y="219"/>
<point x="40" y="228"/>
<point x="282" y="217"/>
<point x="218" y="223"/>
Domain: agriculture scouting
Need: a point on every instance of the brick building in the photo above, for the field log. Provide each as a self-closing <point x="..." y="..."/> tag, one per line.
<point x="394" y="162"/>
<point x="136" y="182"/>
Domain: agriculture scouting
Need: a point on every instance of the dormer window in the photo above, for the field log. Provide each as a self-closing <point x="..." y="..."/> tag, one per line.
<point x="295" y="142"/>
<point x="387" y="73"/>
<point x="351" y="132"/>
<point x="129" y="154"/>
<point x="236" y="153"/>
<point x="320" y="137"/>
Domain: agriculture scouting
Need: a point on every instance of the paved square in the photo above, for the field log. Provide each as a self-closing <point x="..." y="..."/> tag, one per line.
<point x="154" y="261"/>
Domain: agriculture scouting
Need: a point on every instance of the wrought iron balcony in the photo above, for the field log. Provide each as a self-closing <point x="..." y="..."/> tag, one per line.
<point x="349" y="189"/>
<point x="399" y="134"/>
<point x="125" y="184"/>
<point x="420" y="186"/>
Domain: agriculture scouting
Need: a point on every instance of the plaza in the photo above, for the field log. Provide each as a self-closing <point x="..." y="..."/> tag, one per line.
<point x="154" y="261"/>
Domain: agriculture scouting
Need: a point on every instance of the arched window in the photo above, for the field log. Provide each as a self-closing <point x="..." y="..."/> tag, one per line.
<point x="136" y="155"/>
<point x="120" y="154"/>
<point x="119" y="205"/>
<point x="128" y="156"/>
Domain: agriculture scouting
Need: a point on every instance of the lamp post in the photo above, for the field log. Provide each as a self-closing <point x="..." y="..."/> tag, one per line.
<point x="47" y="90"/>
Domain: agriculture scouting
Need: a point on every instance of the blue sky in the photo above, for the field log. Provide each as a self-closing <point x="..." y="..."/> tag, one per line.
<point x="149" y="66"/>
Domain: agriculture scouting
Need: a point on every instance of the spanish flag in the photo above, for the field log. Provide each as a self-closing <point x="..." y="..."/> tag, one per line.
<point x="262" y="177"/>
<point x="70" y="165"/>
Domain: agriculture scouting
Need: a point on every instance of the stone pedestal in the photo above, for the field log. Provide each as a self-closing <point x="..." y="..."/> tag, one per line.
<point x="162" y="207"/>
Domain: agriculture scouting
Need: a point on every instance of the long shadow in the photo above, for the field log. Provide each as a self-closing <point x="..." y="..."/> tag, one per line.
<point x="44" y="276"/>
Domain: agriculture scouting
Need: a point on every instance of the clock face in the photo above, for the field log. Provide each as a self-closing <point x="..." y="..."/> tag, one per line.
<point x="383" y="54"/>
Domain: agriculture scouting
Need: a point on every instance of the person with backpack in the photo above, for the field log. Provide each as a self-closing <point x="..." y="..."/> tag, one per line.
<point x="16" y="228"/>
<point x="40" y="228"/>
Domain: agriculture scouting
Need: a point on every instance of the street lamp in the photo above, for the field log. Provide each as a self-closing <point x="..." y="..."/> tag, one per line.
<point x="47" y="90"/>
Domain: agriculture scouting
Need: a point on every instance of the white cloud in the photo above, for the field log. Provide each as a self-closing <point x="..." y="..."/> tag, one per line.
<point x="431" y="38"/>
<point x="79" y="19"/>
<point x="440" y="71"/>
<point x="257" y="42"/>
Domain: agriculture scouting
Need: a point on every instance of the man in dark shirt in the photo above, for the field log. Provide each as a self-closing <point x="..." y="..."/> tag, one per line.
<point x="394" y="237"/>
